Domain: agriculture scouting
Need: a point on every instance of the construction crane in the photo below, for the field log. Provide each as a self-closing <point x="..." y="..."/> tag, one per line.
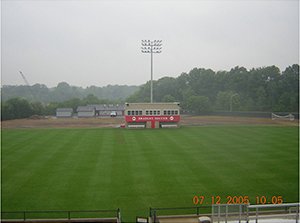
<point x="24" y="78"/>
<point x="28" y="85"/>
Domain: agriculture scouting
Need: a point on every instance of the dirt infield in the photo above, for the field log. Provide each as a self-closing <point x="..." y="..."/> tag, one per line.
<point x="107" y="122"/>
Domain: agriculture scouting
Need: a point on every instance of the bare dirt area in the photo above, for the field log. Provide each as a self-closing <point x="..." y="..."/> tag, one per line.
<point x="53" y="122"/>
<point x="108" y="122"/>
<point x="233" y="120"/>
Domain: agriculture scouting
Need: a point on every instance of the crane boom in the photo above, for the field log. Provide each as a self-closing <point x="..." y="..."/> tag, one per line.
<point x="24" y="78"/>
<point x="28" y="85"/>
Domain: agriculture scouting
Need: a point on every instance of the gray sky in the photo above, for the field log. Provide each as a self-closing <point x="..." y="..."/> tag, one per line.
<point x="99" y="42"/>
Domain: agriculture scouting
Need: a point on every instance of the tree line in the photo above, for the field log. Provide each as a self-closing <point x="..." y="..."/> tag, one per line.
<point x="204" y="90"/>
<point x="63" y="92"/>
<point x="17" y="108"/>
<point x="199" y="91"/>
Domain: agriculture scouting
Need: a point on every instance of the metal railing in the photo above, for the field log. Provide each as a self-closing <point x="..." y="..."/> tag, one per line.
<point x="247" y="212"/>
<point x="177" y="212"/>
<point x="61" y="215"/>
<point x="224" y="212"/>
<point x="231" y="212"/>
<point x="269" y="211"/>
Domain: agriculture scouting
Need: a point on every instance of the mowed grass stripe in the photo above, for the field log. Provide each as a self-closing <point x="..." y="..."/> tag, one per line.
<point x="86" y="177"/>
<point x="46" y="169"/>
<point x="137" y="169"/>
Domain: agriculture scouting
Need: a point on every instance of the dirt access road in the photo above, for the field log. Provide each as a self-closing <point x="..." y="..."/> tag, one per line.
<point x="107" y="122"/>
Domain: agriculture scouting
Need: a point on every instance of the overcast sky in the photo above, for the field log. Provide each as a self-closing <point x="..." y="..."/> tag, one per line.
<point x="99" y="42"/>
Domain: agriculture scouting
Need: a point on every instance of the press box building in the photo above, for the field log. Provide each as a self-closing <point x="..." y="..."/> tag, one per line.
<point x="152" y="115"/>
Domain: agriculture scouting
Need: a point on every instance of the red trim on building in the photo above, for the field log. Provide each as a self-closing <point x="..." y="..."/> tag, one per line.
<point x="144" y="118"/>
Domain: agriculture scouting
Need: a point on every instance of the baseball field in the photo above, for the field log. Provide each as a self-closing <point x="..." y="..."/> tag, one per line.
<point x="110" y="168"/>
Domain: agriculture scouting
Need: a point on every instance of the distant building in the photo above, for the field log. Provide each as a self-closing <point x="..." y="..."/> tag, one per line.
<point x="85" y="111"/>
<point x="101" y="110"/>
<point x="109" y="109"/>
<point x="152" y="115"/>
<point x="64" y="112"/>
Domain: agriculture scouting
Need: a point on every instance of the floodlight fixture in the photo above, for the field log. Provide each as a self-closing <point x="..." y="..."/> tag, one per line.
<point x="151" y="47"/>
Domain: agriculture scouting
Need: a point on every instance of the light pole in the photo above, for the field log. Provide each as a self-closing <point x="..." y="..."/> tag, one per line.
<point x="149" y="46"/>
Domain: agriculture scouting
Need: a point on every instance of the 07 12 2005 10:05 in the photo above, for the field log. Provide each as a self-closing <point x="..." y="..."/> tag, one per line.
<point x="202" y="200"/>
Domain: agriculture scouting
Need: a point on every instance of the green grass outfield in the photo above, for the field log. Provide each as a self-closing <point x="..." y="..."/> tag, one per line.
<point x="75" y="169"/>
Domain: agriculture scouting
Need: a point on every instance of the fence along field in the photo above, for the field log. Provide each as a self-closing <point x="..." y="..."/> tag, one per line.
<point x="92" y="169"/>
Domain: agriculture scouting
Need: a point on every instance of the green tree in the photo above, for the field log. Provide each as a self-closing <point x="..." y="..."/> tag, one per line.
<point x="16" y="108"/>
<point x="90" y="99"/>
<point x="72" y="103"/>
<point x="50" y="109"/>
<point x="168" y="98"/>
<point x="288" y="88"/>
<point x="262" y="101"/>
<point x="223" y="100"/>
<point x="199" y="104"/>
<point x="165" y="86"/>
<point x="142" y="95"/>
<point x="227" y="101"/>
<point x="37" y="108"/>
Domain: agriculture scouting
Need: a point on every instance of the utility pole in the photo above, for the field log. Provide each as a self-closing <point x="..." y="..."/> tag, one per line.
<point x="151" y="47"/>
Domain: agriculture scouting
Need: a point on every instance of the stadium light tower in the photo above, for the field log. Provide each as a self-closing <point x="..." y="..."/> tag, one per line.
<point x="149" y="46"/>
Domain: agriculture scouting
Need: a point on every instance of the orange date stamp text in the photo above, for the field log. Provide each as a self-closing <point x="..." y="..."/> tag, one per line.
<point x="241" y="199"/>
